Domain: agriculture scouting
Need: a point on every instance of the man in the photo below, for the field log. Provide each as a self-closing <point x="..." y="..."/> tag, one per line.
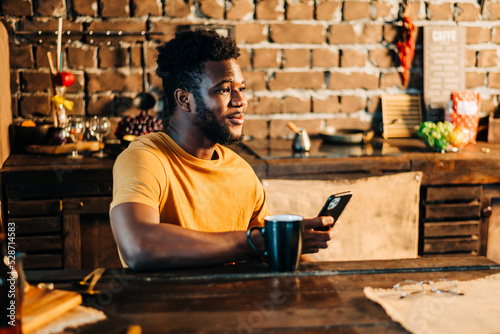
<point x="180" y="198"/>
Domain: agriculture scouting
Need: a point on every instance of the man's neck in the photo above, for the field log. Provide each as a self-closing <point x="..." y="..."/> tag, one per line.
<point x="197" y="146"/>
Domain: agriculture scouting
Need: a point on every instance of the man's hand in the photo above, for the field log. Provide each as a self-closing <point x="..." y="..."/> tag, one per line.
<point x="315" y="240"/>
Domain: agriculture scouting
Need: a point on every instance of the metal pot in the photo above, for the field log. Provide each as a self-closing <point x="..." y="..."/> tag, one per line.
<point x="144" y="100"/>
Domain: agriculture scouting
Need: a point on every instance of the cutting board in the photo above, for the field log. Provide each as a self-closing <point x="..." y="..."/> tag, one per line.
<point x="41" y="306"/>
<point x="92" y="146"/>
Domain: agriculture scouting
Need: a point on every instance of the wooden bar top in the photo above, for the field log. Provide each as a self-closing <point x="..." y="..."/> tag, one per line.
<point x="248" y="298"/>
<point x="476" y="164"/>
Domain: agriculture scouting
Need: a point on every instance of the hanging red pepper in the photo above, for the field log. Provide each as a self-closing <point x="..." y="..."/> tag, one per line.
<point x="406" y="47"/>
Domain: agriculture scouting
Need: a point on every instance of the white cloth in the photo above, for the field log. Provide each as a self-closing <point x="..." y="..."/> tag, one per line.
<point x="477" y="311"/>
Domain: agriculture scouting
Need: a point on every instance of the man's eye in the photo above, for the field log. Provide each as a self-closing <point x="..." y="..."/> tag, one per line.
<point x="224" y="90"/>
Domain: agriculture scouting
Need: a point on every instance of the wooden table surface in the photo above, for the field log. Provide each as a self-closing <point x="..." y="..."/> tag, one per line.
<point x="248" y="298"/>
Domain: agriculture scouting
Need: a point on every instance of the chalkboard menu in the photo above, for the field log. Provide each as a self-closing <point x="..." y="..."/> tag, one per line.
<point x="444" y="67"/>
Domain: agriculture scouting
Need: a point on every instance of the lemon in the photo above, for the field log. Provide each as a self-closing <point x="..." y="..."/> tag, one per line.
<point x="459" y="137"/>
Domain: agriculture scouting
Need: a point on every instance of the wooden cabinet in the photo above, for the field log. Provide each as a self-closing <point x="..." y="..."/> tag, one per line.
<point x="60" y="211"/>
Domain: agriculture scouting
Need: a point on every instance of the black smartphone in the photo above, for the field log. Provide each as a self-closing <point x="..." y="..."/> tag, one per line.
<point x="334" y="206"/>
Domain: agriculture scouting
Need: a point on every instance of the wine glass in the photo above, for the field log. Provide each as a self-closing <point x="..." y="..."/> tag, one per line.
<point x="75" y="128"/>
<point x="100" y="127"/>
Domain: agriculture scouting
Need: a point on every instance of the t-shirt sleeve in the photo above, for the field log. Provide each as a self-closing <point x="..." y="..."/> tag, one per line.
<point x="138" y="176"/>
<point x="260" y="211"/>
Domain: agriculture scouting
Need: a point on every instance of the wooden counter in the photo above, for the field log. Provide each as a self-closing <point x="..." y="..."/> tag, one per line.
<point x="248" y="298"/>
<point x="60" y="207"/>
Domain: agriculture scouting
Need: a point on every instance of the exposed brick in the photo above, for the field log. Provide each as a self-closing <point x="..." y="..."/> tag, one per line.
<point x="493" y="9"/>
<point x="383" y="58"/>
<point x="353" y="80"/>
<point x="296" y="58"/>
<point x="392" y="79"/>
<point x="476" y="35"/>
<point x="270" y="10"/>
<point x="212" y="8"/>
<point x="470" y="58"/>
<point x="414" y="10"/>
<point x="487" y="58"/>
<point x="296" y="105"/>
<point x="297" y="33"/>
<point x="112" y="57"/>
<point x="84" y="57"/>
<point x="329" y="104"/>
<point x="146" y="7"/>
<point x="356" y="10"/>
<point x="14" y="82"/>
<point x="278" y="128"/>
<point x="167" y="28"/>
<point x="136" y="56"/>
<point x="390" y="33"/>
<point x="78" y="105"/>
<point x="255" y="80"/>
<point x="17" y="7"/>
<point x="41" y="24"/>
<point x="299" y="9"/>
<point x="266" y="58"/>
<point x="494" y="80"/>
<point x="345" y="34"/>
<point x="267" y="105"/>
<point x="155" y="81"/>
<point x="382" y="10"/>
<point x="373" y="104"/>
<point x="41" y="55"/>
<point x="100" y="104"/>
<point x="352" y="58"/>
<point x="256" y="128"/>
<point x="250" y="33"/>
<point x="496" y="35"/>
<point x="300" y="80"/>
<point x="178" y="8"/>
<point x="439" y="12"/>
<point x="244" y="60"/>
<point x="30" y="104"/>
<point x="474" y="79"/>
<point x="347" y="123"/>
<point x="14" y="106"/>
<point x="78" y="85"/>
<point x="34" y="81"/>
<point x="467" y="12"/>
<point x="85" y="7"/>
<point x="21" y="56"/>
<point x="115" y="8"/>
<point x="240" y="10"/>
<point x="114" y="81"/>
<point x="51" y="8"/>
<point x="325" y="58"/>
<point x="350" y="104"/>
<point x="327" y="9"/>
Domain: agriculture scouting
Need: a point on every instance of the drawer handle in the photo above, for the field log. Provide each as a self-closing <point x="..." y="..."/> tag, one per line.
<point x="487" y="211"/>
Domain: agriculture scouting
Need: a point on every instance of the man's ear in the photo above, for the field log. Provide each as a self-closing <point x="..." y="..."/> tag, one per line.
<point x="182" y="99"/>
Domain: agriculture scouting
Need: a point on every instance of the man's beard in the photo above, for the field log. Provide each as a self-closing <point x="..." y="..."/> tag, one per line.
<point x="207" y="123"/>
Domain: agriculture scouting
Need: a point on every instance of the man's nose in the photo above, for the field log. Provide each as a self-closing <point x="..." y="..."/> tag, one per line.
<point x="238" y="99"/>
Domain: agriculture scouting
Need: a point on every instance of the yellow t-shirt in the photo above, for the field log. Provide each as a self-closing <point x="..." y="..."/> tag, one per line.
<point x="204" y="195"/>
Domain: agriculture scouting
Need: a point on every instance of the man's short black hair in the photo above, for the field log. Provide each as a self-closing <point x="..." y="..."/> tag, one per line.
<point x="181" y="60"/>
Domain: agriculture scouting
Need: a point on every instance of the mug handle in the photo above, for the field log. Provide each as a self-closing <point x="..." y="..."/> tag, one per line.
<point x="261" y="252"/>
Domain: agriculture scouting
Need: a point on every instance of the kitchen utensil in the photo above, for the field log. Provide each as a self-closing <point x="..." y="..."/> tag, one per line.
<point x="301" y="141"/>
<point x="347" y="136"/>
<point x="32" y="135"/>
<point x="144" y="100"/>
<point x="94" y="276"/>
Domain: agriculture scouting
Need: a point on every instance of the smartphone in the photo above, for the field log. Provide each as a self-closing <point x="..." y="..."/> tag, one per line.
<point x="334" y="206"/>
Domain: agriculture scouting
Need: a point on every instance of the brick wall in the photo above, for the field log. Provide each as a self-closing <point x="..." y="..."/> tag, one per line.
<point x="317" y="62"/>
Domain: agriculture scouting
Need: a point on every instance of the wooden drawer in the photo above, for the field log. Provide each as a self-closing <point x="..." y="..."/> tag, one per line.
<point x="453" y="194"/>
<point x="43" y="261"/>
<point x="445" y="211"/>
<point x="87" y="205"/>
<point x="455" y="228"/>
<point x="37" y="225"/>
<point x="451" y="245"/>
<point x="39" y="243"/>
<point x="49" y="207"/>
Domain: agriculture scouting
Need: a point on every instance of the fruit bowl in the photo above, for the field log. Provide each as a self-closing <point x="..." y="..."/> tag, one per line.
<point x="444" y="136"/>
